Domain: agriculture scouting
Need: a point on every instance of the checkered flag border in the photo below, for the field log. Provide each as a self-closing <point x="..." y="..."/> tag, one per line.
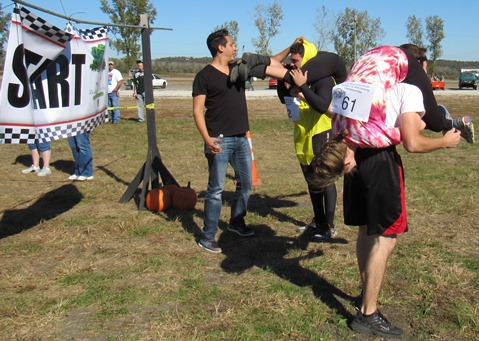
<point x="42" y="27"/>
<point x="94" y="33"/>
<point x="22" y="135"/>
<point x="89" y="34"/>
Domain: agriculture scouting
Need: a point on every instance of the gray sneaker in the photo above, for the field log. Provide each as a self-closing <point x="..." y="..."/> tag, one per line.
<point x="211" y="246"/>
<point x="376" y="324"/>
<point x="31" y="169"/>
<point x="44" y="172"/>
<point x="466" y="127"/>
<point x="234" y="73"/>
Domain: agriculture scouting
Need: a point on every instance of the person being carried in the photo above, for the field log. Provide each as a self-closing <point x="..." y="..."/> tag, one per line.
<point x="373" y="111"/>
<point x="437" y="117"/>
<point x="323" y="64"/>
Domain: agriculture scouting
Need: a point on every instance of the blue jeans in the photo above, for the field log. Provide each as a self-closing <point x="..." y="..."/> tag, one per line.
<point x="236" y="151"/>
<point x="114" y="101"/>
<point x="81" y="149"/>
<point x="41" y="146"/>
<point x="140" y="100"/>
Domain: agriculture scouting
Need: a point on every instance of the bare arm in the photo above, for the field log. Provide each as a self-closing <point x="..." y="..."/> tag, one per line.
<point x="198" y="114"/>
<point x="283" y="54"/>
<point x="414" y="142"/>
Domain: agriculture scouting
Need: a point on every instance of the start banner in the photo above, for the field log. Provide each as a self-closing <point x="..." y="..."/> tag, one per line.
<point x="54" y="81"/>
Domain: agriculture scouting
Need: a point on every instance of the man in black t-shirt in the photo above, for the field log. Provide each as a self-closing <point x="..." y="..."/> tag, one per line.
<point x="139" y="89"/>
<point x="226" y="114"/>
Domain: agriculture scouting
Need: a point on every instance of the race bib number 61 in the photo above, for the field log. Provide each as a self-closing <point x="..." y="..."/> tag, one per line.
<point x="353" y="100"/>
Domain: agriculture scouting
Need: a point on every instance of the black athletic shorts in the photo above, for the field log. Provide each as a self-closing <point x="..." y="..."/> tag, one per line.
<point x="374" y="192"/>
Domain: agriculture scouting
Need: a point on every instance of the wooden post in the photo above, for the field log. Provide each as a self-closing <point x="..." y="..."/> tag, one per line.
<point x="153" y="165"/>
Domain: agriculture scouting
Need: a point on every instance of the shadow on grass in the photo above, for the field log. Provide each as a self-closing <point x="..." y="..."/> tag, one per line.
<point x="25" y="160"/>
<point x="48" y="206"/>
<point x="261" y="204"/>
<point x="65" y="166"/>
<point x="117" y="179"/>
<point x="268" y="251"/>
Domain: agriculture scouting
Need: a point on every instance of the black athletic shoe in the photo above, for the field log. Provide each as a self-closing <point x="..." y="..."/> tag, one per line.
<point x="242" y="231"/>
<point x="376" y="324"/>
<point x="466" y="127"/>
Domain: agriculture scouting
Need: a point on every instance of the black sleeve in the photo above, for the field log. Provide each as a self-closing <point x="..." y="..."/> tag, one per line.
<point x="282" y="90"/>
<point x="319" y="94"/>
<point x="324" y="64"/>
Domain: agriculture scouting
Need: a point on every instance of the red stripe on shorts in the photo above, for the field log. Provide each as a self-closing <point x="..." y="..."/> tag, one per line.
<point x="400" y="225"/>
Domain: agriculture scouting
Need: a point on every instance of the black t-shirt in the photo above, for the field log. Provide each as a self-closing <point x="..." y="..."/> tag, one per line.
<point x="139" y="82"/>
<point x="226" y="110"/>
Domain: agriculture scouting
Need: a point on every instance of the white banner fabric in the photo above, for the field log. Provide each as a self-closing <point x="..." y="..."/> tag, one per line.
<point x="54" y="82"/>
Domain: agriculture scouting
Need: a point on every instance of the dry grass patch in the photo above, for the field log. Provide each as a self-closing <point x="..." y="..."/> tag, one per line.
<point x="76" y="264"/>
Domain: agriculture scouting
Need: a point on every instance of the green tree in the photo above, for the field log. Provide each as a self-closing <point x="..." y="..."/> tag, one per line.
<point x="267" y="20"/>
<point x="414" y="31"/>
<point x="127" y="12"/>
<point x="4" y="20"/>
<point x="322" y="27"/>
<point x="355" y="33"/>
<point x="232" y="27"/>
<point x="435" y="34"/>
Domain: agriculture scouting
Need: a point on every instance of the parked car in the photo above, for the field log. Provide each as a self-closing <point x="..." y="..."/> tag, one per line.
<point x="438" y="85"/>
<point x="468" y="80"/>
<point x="273" y="83"/>
<point x="158" y="82"/>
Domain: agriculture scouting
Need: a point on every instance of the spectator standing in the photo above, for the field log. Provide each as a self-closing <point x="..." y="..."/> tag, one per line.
<point x="82" y="154"/>
<point x="44" y="149"/>
<point x="226" y="113"/>
<point x="115" y="80"/>
<point x="139" y="89"/>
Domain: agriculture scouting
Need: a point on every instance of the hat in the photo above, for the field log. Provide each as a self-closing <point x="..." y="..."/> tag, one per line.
<point x="139" y="61"/>
<point x="111" y="62"/>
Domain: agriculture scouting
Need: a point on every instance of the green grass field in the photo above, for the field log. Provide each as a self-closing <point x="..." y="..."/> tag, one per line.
<point x="79" y="265"/>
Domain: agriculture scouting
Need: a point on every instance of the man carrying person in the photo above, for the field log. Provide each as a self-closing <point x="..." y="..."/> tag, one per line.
<point x="312" y="128"/>
<point x="373" y="111"/>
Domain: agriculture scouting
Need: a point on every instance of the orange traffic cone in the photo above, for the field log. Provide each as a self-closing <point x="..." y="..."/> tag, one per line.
<point x="256" y="180"/>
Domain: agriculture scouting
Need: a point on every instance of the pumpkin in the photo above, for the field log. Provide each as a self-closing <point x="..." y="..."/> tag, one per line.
<point x="158" y="200"/>
<point x="171" y="189"/>
<point x="185" y="198"/>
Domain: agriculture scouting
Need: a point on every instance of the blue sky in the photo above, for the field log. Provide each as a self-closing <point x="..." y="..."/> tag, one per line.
<point x="193" y="20"/>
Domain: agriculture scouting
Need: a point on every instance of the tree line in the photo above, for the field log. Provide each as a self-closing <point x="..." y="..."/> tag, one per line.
<point x="350" y="32"/>
<point x="163" y="66"/>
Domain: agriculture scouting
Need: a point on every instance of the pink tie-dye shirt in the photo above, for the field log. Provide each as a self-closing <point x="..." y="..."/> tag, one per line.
<point x="385" y="66"/>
